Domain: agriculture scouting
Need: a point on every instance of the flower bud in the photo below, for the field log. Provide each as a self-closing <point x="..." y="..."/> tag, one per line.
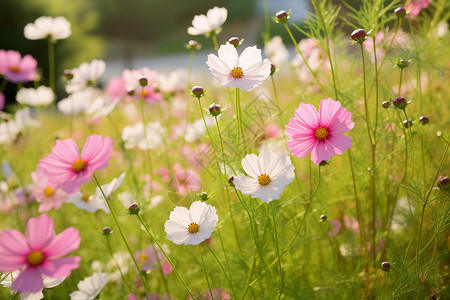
<point x="443" y="183"/>
<point x="131" y="93"/>
<point x="68" y="75"/>
<point x="385" y="104"/>
<point x="359" y="35"/>
<point x="234" y="41"/>
<point x="193" y="45"/>
<point x="385" y="266"/>
<point x="214" y="110"/>
<point x="272" y="69"/>
<point x="323" y="163"/>
<point x="197" y="91"/>
<point x="400" y="12"/>
<point x="143" y="81"/>
<point x="203" y="196"/>
<point x="424" y="120"/>
<point x="106" y="230"/>
<point x="400" y="102"/>
<point x="402" y="63"/>
<point x="407" y="123"/>
<point x="231" y="181"/>
<point x="323" y="218"/>
<point x="281" y="16"/>
<point x="134" y="209"/>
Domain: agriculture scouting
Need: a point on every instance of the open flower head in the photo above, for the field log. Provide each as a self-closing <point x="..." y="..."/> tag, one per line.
<point x="268" y="175"/>
<point x="191" y="226"/>
<point x="67" y="168"/>
<point x="47" y="27"/>
<point x="42" y="96"/>
<point x="212" y="22"/>
<point x="39" y="253"/>
<point x="319" y="133"/>
<point x="246" y="71"/>
<point x="16" y="68"/>
<point x="48" y="196"/>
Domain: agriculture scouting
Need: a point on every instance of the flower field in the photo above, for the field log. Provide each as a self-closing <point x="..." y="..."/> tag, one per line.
<point x="318" y="176"/>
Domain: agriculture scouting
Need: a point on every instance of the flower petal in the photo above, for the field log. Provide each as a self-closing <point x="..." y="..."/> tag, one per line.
<point x="40" y="232"/>
<point x="60" y="267"/>
<point x="63" y="243"/>
<point x="29" y="280"/>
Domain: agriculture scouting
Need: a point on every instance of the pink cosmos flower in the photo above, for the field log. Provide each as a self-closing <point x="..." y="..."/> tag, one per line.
<point x="66" y="168"/>
<point x="246" y="71"/>
<point x="47" y="195"/>
<point x="149" y="92"/>
<point x="146" y="258"/>
<point x="415" y="6"/>
<point x="319" y="133"/>
<point x="39" y="253"/>
<point x="116" y="88"/>
<point x="15" y="68"/>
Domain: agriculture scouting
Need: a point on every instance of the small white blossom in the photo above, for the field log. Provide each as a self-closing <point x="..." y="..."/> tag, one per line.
<point x="90" y="287"/>
<point x="42" y="96"/>
<point x="214" y="19"/>
<point x="47" y="27"/>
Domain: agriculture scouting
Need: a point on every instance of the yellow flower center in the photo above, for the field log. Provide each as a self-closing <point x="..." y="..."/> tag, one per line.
<point x="237" y="72"/>
<point x="264" y="179"/>
<point x="14" y="69"/>
<point x="193" y="228"/>
<point x="145" y="94"/>
<point x="35" y="258"/>
<point x="85" y="197"/>
<point x="49" y="191"/>
<point x="321" y="133"/>
<point x="78" y="165"/>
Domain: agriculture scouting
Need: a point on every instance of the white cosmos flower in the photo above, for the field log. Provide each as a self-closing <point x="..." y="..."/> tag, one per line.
<point x="134" y="135"/>
<point x="77" y="102"/>
<point x="246" y="71"/>
<point x="92" y="203"/>
<point x="276" y="51"/>
<point x="54" y="28"/>
<point x="90" y="287"/>
<point x="214" y="19"/>
<point x="101" y="106"/>
<point x="42" y="96"/>
<point x="174" y="82"/>
<point x="48" y="283"/>
<point x="269" y="175"/>
<point x="193" y="226"/>
<point x="86" y="75"/>
<point x="8" y="131"/>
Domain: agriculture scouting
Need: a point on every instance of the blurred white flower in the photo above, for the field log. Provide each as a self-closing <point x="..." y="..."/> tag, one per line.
<point x="86" y="75"/>
<point x="8" y="131"/>
<point x="47" y="27"/>
<point x="193" y="226"/>
<point x="90" y="287"/>
<point x="134" y="135"/>
<point x="77" y="102"/>
<point x="42" y="96"/>
<point x="195" y="131"/>
<point x="268" y="174"/>
<point x="246" y="71"/>
<point x="442" y="29"/>
<point x="48" y="283"/>
<point x="24" y="120"/>
<point x="101" y="106"/>
<point x="276" y="51"/>
<point x="214" y="19"/>
<point x="174" y="82"/>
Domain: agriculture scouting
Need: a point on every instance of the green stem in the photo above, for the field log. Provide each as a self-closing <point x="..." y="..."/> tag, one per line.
<point x="358" y="204"/>
<point x="400" y="83"/>
<point x="147" y="144"/>
<point x="214" y="38"/>
<point x="423" y="209"/>
<point x="51" y="65"/>
<point x="165" y="255"/>
<point x="118" y="266"/>
<point x="121" y="233"/>
<point x="303" y="57"/>
<point x="277" y="248"/>
<point x="266" y="21"/>
<point x="311" y="197"/>
<point x="377" y="104"/>
<point x="412" y="141"/>
<point x="366" y="107"/>
<point x="223" y="270"/>
<point x="239" y="119"/>
<point x="206" y="273"/>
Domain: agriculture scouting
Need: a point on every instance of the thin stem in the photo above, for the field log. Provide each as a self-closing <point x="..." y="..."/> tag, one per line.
<point x="206" y="273"/>
<point x="191" y="60"/>
<point x="214" y="38"/>
<point x="366" y="107"/>
<point x="147" y="144"/>
<point x="51" y="65"/>
<point x="121" y="233"/>
<point x="223" y="269"/>
<point x="412" y="141"/>
<point x="423" y="209"/>
<point x="165" y="255"/>
<point x="358" y="204"/>
<point x="376" y="87"/>
<point x="118" y="266"/>
<point x="239" y="118"/>
<point x="399" y="25"/>
<point x="158" y="261"/>
<point x="303" y="57"/>
<point x="277" y="248"/>
<point x="209" y="135"/>
<point x="311" y="197"/>
<point x="266" y="21"/>
<point x="400" y="83"/>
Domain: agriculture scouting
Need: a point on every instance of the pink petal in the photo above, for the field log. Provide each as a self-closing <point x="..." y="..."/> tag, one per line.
<point x="40" y="232"/>
<point x="167" y="268"/>
<point x="323" y="151"/>
<point x="306" y="114"/>
<point x="29" y="280"/>
<point x="302" y="145"/>
<point x="327" y="110"/>
<point x="13" y="242"/>
<point x="62" y="244"/>
<point x="61" y="267"/>
<point x="342" y="122"/>
<point x="340" y="143"/>
<point x="10" y="263"/>
<point x="97" y="151"/>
